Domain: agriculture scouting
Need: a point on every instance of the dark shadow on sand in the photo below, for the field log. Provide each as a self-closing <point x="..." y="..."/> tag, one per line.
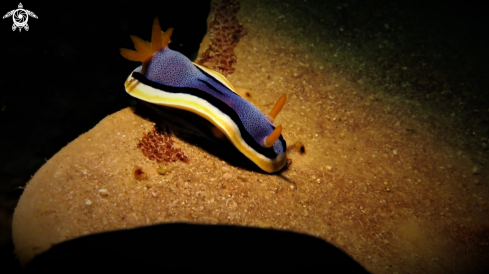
<point x="182" y="248"/>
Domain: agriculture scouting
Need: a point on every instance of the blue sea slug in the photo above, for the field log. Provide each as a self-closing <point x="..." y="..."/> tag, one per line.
<point x="170" y="79"/>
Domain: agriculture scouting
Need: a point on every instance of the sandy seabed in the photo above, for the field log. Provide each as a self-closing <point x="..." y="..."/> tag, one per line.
<point x="384" y="176"/>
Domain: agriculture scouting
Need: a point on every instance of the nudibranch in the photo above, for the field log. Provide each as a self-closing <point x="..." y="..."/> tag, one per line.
<point x="168" y="78"/>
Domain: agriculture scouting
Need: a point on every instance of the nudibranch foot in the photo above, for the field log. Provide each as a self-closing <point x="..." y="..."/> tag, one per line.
<point x="217" y="133"/>
<point x="169" y="79"/>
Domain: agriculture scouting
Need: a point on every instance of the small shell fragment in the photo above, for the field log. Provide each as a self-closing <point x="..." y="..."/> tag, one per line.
<point x="103" y="192"/>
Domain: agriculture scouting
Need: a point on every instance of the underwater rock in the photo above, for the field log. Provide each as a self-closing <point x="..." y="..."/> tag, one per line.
<point x="85" y="188"/>
<point x="107" y="179"/>
<point x="223" y="34"/>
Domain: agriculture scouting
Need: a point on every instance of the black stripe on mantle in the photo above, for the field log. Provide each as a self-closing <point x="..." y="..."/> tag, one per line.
<point x="223" y="107"/>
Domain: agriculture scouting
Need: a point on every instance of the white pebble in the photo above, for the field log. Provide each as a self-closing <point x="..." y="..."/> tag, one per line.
<point x="103" y="192"/>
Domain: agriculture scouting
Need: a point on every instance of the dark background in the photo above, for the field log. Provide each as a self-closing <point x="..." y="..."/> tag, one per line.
<point x="65" y="74"/>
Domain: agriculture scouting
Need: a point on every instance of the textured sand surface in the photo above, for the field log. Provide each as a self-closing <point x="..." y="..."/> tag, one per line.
<point x="383" y="177"/>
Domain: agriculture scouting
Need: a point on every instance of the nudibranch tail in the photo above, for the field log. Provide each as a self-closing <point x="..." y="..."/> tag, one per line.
<point x="273" y="137"/>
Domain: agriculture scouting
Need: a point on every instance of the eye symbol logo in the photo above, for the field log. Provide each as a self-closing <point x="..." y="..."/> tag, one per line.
<point x="20" y="17"/>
